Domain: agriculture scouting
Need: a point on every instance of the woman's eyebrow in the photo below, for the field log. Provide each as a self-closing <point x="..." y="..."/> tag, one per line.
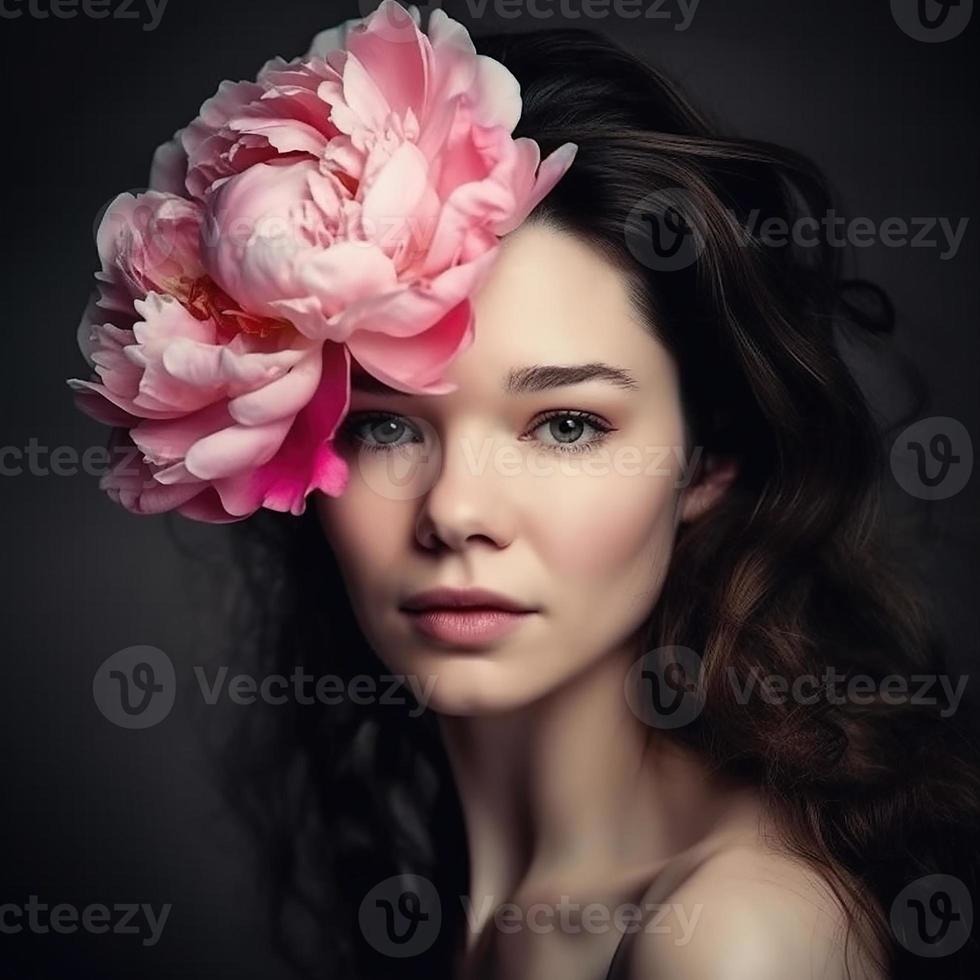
<point x="541" y="377"/>
<point x="538" y="377"/>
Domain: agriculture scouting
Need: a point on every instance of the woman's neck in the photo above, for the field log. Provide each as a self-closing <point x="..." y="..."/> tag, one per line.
<point x="575" y="788"/>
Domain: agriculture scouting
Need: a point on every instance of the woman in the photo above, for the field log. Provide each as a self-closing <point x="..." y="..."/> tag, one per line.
<point x="790" y="826"/>
<point x="658" y="462"/>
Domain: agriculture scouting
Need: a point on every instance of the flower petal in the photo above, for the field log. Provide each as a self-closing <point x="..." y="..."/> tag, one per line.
<point x="306" y="460"/>
<point x="236" y="448"/>
<point x="206" y="506"/>
<point x="165" y="442"/>
<point x="414" y="364"/>
<point x="284" y="396"/>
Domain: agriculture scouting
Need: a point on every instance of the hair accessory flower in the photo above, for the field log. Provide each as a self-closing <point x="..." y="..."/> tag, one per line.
<point x="345" y="204"/>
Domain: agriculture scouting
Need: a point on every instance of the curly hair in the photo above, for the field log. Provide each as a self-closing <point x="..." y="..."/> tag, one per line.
<point x="790" y="574"/>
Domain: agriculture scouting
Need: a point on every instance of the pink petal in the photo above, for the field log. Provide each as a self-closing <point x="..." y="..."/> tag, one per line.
<point x="549" y="173"/>
<point x="286" y="135"/>
<point x="343" y="274"/>
<point x="175" y="473"/>
<point x="415" y="364"/>
<point x="150" y="239"/>
<point x="209" y="365"/>
<point x="454" y="56"/>
<point x="152" y="499"/>
<point x="394" y="52"/>
<point x="130" y="482"/>
<point x="306" y="460"/>
<point x="282" y="397"/>
<point x="395" y="194"/>
<point x="366" y="105"/>
<point x="206" y="506"/>
<point x="496" y="95"/>
<point x="170" y="440"/>
<point x="413" y="309"/>
<point x="169" y="167"/>
<point x="126" y="404"/>
<point x="97" y="407"/>
<point x="336" y="38"/>
<point x="236" y="448"/>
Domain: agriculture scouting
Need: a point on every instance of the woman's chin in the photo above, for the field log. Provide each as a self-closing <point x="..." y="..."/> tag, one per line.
<point x="469" y="684"/>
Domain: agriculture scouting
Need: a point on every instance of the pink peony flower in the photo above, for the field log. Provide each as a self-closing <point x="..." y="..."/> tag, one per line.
<point x="221" y="403"/>
<point x="346" y="204"/>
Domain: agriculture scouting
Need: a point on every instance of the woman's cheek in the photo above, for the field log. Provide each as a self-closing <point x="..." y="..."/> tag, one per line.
<point x="606" y="542"/>
<point x="356" y="534"/>
<point x="591" y="524"/>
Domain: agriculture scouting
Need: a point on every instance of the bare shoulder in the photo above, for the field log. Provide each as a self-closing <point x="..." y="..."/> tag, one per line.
<point x="747" y="912"/>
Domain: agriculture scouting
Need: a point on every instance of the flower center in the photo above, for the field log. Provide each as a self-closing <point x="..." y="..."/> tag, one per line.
<point x="206" y="300"/>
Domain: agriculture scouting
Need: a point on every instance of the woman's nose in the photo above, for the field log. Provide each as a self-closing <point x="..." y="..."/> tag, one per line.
<point x="468" y="497"/>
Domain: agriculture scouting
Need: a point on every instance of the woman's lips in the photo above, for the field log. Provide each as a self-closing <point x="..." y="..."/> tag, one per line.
<point x="466" y="626"/>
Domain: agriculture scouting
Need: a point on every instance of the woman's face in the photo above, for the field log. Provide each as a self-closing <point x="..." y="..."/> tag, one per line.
<point x="481" y="488"/>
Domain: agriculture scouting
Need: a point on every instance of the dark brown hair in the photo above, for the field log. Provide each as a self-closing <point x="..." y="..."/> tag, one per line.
<point x="787" y="576"/>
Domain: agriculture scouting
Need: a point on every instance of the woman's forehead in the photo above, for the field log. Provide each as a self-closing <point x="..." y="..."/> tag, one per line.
<point x="552" y="276"/>
<point x="551" y="298"/>
<point x="553" y="312"/>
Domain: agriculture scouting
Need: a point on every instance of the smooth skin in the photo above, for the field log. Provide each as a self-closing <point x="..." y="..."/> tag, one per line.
<point x="564" y="790"/>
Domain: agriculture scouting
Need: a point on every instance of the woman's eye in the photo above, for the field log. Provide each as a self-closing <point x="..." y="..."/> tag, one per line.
<point x="561" y="431"/>
<point x="379" y="433"/>
<point x="566" y="428"/>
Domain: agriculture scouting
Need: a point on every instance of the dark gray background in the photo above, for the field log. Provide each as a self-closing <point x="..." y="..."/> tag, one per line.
<point x="95" y="813"/>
